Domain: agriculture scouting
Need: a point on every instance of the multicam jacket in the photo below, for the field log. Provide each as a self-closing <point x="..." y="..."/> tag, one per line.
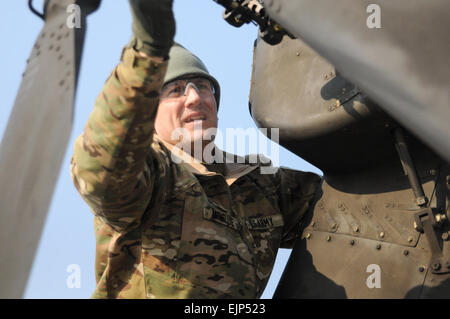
<point x="168" y="230"/>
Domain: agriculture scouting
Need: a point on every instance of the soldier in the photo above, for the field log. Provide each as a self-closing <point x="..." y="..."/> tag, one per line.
<point x="167" y="228"/>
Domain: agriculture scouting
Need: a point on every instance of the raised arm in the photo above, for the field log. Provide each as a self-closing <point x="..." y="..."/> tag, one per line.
<point x="109" y="167"/>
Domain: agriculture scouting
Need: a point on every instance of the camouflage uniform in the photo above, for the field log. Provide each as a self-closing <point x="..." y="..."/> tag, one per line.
<point x="167" y="230"/>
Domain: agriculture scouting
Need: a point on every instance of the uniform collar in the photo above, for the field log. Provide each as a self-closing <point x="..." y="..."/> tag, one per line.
<point x="231" y="168"/>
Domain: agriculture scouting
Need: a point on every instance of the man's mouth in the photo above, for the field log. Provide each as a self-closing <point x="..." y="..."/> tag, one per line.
<point x="192" y="118"/>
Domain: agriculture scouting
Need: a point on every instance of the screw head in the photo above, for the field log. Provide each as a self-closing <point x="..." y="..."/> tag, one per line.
<point x="356" y="228"/>
<point x="352" y="242"/>
<point x="382" y="235"/>
<point x="406" y="252"/>
<point x="308" y="236"/>
<point x="420" y="201"/>
<point x="328" y="238"/>
<point x="410" y="239"/>
<point x="436" y="266"/>
<point x="378" y="246"/>
<point x="421" y="269"/>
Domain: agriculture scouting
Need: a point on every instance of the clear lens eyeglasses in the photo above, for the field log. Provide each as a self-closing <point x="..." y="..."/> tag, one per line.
<point x="179" y="88"/>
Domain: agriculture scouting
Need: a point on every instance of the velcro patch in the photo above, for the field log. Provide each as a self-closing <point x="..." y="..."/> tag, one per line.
<point x="222" y="218"/>
<point x="265" y="222"/>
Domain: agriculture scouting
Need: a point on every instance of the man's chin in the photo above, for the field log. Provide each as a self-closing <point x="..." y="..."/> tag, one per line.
<point x="200" y="132"/>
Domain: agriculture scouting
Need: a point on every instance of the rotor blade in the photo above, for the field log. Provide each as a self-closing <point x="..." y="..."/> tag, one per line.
<point x="35" y="140"/>
<point x="404" y="65"/>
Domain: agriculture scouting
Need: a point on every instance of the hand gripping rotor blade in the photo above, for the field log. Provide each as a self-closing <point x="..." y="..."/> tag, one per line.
<point x="404" y="65"/>
<point x="36" y="137"/>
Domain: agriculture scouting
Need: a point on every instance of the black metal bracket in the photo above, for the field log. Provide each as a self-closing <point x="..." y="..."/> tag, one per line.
<point x="240" y="12"/>
<point x="425" y="222"/>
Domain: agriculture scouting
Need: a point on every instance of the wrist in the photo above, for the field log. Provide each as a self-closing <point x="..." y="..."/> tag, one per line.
<point x="150" y="50"/>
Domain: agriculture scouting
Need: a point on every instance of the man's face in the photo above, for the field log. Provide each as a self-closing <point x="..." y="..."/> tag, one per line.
<point x="187" y="108"/>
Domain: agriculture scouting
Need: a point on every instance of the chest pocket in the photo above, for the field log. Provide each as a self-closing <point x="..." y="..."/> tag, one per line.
<point x="266" y="233"/>
<point x="261" y="235"/>
<point x="212" y="257"/>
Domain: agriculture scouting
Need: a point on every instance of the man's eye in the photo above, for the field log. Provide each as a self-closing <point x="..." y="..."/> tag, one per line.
<point x="175" y="90"/>
<point x="203" y="85"/>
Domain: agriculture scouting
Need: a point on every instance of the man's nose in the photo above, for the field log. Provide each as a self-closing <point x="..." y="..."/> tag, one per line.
<point x="192" y="96"/>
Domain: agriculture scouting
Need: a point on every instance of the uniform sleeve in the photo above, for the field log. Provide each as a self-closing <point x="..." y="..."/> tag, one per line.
<point x="297" y="190"/>
<point x="109" y="167"/>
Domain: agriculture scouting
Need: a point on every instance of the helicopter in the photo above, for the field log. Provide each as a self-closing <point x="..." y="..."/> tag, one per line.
<point x="369" y="105"/>
<point x="313" y="25"/>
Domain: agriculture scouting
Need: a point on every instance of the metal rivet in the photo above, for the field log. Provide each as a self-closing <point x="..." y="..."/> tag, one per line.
<point x="406" y="252"/>
<point x="308" y="236"/>
<point x="382" y="235"/>
<point x="421" y="269"/>
<point x="378" y="246"/>
<point x="356" y="228"/>
<point x="313" y="223"/>
<point x="298" y="53"/>
<point x="328" y="238"/>
<point x="410" y="239"/>
<point x="352" y="242"/>
<point x="436" y="266"/>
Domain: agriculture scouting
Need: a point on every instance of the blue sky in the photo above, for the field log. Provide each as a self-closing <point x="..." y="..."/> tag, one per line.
<point x="68" y="236"/>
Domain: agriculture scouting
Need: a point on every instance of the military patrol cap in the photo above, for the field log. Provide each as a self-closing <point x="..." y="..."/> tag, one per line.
<point x="184" y="63"/>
